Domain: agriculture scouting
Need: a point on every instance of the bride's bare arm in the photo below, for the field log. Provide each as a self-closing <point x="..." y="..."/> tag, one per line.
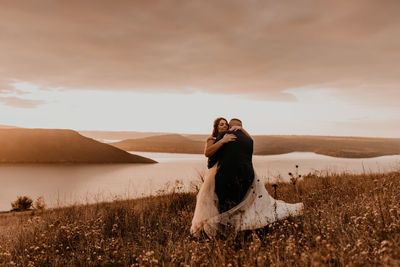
<point x="235" y="128"/>
<point x="212" y="146"/>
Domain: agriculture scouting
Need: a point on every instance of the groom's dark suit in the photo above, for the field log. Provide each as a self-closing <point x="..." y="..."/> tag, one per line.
<point x="235" y="173"/>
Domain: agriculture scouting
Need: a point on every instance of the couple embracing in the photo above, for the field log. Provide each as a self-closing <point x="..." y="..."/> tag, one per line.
<point x="231" y="195"/>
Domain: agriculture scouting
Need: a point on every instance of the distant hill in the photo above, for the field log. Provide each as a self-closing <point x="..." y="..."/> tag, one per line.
<point x="108" y="136"/>
<point x="346" y="147"/>
<point x="171" y="143"/>
<point x="58" y="146"/>
<point x="7" y="127"/>
<point x="197" y="137"/>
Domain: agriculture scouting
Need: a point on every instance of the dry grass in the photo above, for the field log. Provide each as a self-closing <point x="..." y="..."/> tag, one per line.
<point x="348" y="220"/>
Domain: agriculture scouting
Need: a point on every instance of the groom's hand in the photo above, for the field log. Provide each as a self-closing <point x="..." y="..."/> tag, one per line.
<point x="228" y="138"/>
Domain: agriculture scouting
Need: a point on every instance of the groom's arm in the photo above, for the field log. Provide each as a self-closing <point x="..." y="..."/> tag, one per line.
<point x="213" y="159"/>
<point x="214" y="146"/>
<point x="246" y="133"/>
<point x="220" y="136"/>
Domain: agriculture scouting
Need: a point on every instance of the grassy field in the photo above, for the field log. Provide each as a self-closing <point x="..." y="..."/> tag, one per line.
<point x="348" y="220"/>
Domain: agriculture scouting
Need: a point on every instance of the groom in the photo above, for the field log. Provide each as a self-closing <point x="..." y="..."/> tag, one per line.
<point x="235" y="173"/>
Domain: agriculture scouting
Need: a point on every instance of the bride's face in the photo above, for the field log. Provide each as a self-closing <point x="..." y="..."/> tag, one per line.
<point x="222" y="126"/>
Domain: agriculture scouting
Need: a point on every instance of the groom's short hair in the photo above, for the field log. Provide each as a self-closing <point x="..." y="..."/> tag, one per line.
<point x="235" y="122"/>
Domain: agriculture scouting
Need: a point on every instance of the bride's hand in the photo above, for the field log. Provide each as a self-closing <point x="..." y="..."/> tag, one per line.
<point x="228" y="138"/>
<point x="235" y="128"/>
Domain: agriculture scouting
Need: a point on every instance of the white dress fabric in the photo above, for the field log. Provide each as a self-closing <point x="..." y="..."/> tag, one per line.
<point x="257" y="209"/>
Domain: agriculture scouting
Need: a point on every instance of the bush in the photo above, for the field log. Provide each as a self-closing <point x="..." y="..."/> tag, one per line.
<point x="40" y="204"/>
<point x="22" y="203"/>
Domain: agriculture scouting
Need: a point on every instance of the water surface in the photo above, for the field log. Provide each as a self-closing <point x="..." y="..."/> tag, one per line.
<point x="66" y="184"/>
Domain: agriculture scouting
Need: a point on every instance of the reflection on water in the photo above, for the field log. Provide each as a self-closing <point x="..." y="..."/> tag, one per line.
<point x="68" y="184"/>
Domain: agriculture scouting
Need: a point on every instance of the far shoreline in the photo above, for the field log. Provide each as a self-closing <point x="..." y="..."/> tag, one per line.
<point x="270" y="154"/>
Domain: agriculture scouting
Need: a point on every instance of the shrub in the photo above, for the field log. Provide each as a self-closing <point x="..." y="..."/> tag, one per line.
<point x="40" y="204"/>
<point x="22" y="203"/>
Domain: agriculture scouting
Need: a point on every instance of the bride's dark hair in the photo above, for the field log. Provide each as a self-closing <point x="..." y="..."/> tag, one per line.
<point x="216" y="122"/>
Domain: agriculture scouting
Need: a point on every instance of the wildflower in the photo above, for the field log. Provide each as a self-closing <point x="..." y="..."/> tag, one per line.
<point x="149" y="253"/>
<point x="364" y="253"/>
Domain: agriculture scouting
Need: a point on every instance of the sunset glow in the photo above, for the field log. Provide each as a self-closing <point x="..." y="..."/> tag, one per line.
<point x="288" y="69"/>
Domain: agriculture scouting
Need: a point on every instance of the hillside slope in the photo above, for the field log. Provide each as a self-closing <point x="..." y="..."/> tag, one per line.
<point x="170" y="143"/>
<point x="108" y="136"/>
<point x="58" y="146"/>
<point x="346" y="147"/>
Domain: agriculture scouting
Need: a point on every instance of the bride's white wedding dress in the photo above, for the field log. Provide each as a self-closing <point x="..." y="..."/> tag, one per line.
<point x="257" y="209"/>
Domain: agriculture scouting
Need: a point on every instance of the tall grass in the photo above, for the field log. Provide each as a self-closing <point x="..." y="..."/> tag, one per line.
<point x="347" y="220"/>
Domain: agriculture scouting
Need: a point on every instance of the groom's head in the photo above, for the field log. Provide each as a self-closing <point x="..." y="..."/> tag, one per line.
<point x="235" y="122"/>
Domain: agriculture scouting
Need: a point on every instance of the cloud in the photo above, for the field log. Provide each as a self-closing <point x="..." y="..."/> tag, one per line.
<point x="373" y="95"/>
<point x="258" y="48"/>
<point x="371" y="128"/>
<point x="17" y="102"/>
<point x="6" y="87"/>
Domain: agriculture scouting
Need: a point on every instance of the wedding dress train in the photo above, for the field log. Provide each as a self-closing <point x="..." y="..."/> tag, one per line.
<point x="257" y="209"/>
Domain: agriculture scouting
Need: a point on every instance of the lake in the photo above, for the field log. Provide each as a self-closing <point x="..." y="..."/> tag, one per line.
<point x="67" y="184"/>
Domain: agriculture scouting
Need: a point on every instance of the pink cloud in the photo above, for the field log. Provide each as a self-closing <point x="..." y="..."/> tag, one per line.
<point x="259" y="48"/>
<point x="20" y="102"/>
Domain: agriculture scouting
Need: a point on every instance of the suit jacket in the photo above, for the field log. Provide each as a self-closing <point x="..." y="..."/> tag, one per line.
<point x="235" y="172"/>
<point x="239" y="150"/>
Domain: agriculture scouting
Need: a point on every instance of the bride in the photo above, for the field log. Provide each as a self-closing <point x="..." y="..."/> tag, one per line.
<point x="231" y="194"/>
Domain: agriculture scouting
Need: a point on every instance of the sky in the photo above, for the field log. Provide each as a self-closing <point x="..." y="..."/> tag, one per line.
<point x="311" y="67"/>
